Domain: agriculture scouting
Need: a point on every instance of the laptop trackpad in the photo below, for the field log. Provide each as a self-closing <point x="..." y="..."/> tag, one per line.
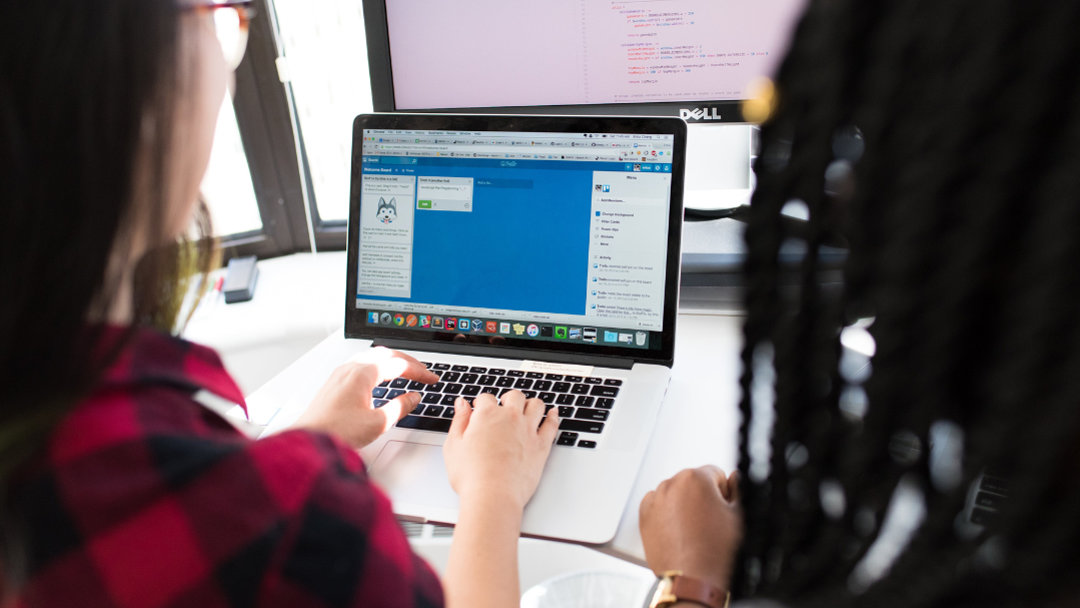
<point x="413" y="473"/>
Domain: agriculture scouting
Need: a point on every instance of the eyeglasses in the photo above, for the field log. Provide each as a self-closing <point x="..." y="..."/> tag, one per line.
<point x="231" y="21"/>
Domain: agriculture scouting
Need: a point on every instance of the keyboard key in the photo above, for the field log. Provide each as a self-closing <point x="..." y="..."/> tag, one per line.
<point x="469" y="378"/>
<point x="605" y="403"/>
<point x="561" y="387"/>
<point x="440" y="366"/>
<point x="594" y="380"/>
<point x="448" y="412"/>
<point x="581" y="426"/>
<point x="453" y="389"/>
<point x="478" y="370"/>
<point x="567" y="439"/>
<point x="534" y="375"/>
<point x="437" y="387"/>
<point x="417" y="386"/>
<point x="460" y="368"/>
<point x="564" y="399"/>
<point x="378" y="392"/>
<point x="441" y="425"/>
<point x="419" y="409"/>
<point x="565" y="411"/>
<point x="497" y="372"/>
<point x="448" y="400"/>
<point x="515" y="373"/>
<point x="546" y="397"/>
<point x="379" y="402"/>
<point x="582" y="389"/>
<point x="542" y="385"/>
<point x="427" y="364"/>
<point x="431" y="398"/>
<point x="504" y="382"/>
<point x="997" y="485"/>
<point x="523" y="383"/>
<point x="487" y="380"/>
<point x="573" y="378"/>
<point x="613" y="382"/>
<point x="553" y="376"/>
<point x="384" y="383"/>
<point x="584" y="413"/>
<point x="433" y="410"/>
<point x="394" y="394"/>
<point x="491" y="390"/>
<point x="451" y="377"/>
<point x="471" y="391"/>
<point x="990" y="501"/>
<point x="586" y="444"/>
<point x="604" y="391"/>
<point x="399" y="383"/>
<point x="529" y="394"/>
<point x="584" y="401"/>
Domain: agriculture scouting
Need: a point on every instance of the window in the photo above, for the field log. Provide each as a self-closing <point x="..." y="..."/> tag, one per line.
<point x="227" y="186"/>
<point x="255" y="158"/>
<point x="327" y="70"/>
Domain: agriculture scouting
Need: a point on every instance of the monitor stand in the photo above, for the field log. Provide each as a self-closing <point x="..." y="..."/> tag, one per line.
<point x="718" y="176"/>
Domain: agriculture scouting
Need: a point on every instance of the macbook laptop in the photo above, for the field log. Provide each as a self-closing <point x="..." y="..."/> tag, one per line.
<point x="532" y="253"/>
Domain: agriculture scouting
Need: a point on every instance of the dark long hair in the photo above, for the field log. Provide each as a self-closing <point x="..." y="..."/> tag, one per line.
<point x="941" y="140"/>
<point x="88" y="104"/>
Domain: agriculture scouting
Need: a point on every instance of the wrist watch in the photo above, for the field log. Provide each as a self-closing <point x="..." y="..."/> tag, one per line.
<point x="673" y="586"/>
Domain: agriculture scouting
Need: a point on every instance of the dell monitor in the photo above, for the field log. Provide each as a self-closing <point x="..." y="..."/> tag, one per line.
<point x="696" y="59"/>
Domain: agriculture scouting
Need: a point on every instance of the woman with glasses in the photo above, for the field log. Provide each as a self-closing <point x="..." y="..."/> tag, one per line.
<point x="117" y="488"/>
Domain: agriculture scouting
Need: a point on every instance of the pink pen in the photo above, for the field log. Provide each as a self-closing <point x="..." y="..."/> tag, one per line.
<point x="218" y="285"/>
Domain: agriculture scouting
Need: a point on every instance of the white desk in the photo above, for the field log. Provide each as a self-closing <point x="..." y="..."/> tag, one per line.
<point x="697" y="425"/>
<point x="699" y="421"/>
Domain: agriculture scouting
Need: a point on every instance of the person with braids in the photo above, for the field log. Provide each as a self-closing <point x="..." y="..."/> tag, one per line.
<point x="941" y="142"/>
<point x="117" y="487"/>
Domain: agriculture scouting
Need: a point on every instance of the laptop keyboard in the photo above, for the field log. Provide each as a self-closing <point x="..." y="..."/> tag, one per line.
<point x="989" y="497"/>
<point x="584" y="402"/>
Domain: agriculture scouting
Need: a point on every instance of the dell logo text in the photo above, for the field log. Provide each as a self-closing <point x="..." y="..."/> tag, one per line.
<point x="712" y="113"/>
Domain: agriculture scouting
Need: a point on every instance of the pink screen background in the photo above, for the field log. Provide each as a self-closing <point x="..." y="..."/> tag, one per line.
<point x="478" y="53"/>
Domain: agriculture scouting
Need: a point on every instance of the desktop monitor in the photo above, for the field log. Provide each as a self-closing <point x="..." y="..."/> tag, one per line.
<point x="690" y="58"/>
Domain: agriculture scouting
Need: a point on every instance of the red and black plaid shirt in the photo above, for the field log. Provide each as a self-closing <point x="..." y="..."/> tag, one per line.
<point x="146" y="498"/>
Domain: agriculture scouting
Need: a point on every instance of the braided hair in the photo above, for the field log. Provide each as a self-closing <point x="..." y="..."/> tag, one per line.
<point x="941" y="142"/>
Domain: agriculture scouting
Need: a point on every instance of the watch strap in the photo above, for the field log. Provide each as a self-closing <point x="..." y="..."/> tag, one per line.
<point x="682" y="588"/>
<point x="689" y="589"/>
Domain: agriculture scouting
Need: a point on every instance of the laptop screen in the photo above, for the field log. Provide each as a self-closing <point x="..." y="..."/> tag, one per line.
<point x="526" y="235"/>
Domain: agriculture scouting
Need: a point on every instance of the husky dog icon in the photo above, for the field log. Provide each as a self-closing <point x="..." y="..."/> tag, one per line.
<point x="386" y="212"/>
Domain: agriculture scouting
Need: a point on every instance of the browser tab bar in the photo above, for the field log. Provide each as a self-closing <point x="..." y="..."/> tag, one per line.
<point x="538" y="146"/>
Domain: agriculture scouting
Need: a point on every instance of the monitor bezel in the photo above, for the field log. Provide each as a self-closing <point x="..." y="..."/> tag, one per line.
<point x="382" y="89"/>
<point x="355" y="318"/>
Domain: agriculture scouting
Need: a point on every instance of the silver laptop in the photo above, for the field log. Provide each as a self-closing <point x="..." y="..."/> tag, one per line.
<point x="531" y="253"/>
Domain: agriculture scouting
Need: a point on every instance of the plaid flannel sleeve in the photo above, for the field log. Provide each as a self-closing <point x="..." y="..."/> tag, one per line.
<point x="291" y="520"/>
<point x="143" y="498"/>
<point x="341" y="544"/>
